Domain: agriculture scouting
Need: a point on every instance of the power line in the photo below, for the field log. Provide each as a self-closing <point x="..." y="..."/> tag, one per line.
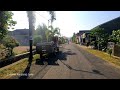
<point x="42" y="16"/>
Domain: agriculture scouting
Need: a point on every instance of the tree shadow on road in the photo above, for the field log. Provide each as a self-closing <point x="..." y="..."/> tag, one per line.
<point x="94" y="71"/>
<point x="52" y="60"/>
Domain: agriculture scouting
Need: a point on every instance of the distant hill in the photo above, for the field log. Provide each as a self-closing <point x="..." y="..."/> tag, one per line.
<point x="21" y="35"/>
<point x="111" y="25"/>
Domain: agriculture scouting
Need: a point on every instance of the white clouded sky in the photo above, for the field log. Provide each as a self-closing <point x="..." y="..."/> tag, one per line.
<point x="68" y="21"/>
<point x="64" y="20"/>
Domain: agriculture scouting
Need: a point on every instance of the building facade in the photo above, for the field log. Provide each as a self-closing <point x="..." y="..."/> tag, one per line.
<point x="83" y="37"/>
<point x="21" y="35"/>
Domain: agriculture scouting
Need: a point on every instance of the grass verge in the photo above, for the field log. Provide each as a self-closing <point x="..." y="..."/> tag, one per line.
<point x="17" y="67"/>
<point x="21" y="49"/>
<point x="103" y="55"/>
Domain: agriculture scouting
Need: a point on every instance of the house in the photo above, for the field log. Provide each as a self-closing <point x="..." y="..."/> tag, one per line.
<point x="21" y="35"/>
<point x="111" y="25"/>
<point x="83" y="36"/>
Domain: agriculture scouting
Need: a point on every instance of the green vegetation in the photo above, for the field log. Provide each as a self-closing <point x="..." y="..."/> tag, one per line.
<point x="6" y="23"/>
<point x="42" y="33"/>
<point x="115" y="37"/>
<point x="10" y="43"/>
<point x="15" y="68"/>
<point x="62" y="40"/>
<point x="74" y="38"/>
<point x="103" y="55"/>
<point x="99" y="38"/>
<point x="37" y="39"/>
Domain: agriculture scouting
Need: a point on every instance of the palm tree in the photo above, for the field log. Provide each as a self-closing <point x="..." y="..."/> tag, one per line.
<point x="54" y="31"/>
<point x="51" y="33"/>
<point x="52" y="16"/>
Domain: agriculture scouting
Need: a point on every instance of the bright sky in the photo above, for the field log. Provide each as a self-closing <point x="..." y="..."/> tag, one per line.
<point x="68" y="21"/>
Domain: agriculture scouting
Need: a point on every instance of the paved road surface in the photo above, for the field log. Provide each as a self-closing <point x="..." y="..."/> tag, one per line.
<point x="75" y="63"/>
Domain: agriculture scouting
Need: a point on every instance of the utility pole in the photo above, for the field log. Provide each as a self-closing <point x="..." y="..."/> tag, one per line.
<point x="31" y="28"/>
<point x="98" y="43"/>
<point x="48" y="23"/>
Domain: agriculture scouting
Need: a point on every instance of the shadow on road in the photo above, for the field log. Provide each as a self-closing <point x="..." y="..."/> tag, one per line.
<point x="53" y="60"/>
<point x="94" y="71"/>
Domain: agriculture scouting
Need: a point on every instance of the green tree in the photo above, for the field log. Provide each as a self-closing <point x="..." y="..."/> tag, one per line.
<point x="10" y="43"/>
<point x="74" y="38"/>
<point x="53" y="32"/>
<point x="101" y="37"/>
<point x="62" y="40"/>
<point x="115" y="37"/>
<point x="41" y="30"/>
<point x="6" y="22"/>
<point x="37" y="39"/>
<point x="98" y="32"/>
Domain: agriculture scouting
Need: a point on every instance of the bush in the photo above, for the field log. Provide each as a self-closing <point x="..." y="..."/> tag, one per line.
<point x="10" y="43"/>
<point x="37" y="39"/>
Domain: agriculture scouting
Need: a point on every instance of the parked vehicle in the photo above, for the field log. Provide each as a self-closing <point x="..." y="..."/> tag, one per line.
<point x="48" y="48"/>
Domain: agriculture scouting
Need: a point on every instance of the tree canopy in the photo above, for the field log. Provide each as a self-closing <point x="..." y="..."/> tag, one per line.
<point x="101" y="37"/>
<point x="115" y="37"/>
<point x="6" y="22"/>
<point x="9" y="42"/>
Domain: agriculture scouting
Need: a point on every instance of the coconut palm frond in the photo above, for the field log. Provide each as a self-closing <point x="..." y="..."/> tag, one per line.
<point x="52" y="16"/>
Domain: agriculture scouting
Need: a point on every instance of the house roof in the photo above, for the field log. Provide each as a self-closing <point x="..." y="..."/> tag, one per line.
<point x="111" y="25"/>
<point x="83" y="31"/>
<point x="20" y="32"/>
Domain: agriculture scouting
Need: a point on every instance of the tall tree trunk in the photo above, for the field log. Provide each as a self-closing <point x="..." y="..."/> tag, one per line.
<point x="31" y="20"/>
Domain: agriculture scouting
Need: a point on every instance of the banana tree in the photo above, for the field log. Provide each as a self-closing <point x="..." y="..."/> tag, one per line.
<point x="52" y="33"/>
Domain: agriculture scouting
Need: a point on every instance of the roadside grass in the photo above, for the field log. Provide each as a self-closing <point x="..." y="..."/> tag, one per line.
<point x="16" y="50"/>
<point x="21" y="49"/>
<point x="105" y="56"/>
<point x="17" y="68"/>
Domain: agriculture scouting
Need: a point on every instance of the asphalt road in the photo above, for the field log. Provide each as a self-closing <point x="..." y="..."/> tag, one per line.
<point x="75" y="63"/>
